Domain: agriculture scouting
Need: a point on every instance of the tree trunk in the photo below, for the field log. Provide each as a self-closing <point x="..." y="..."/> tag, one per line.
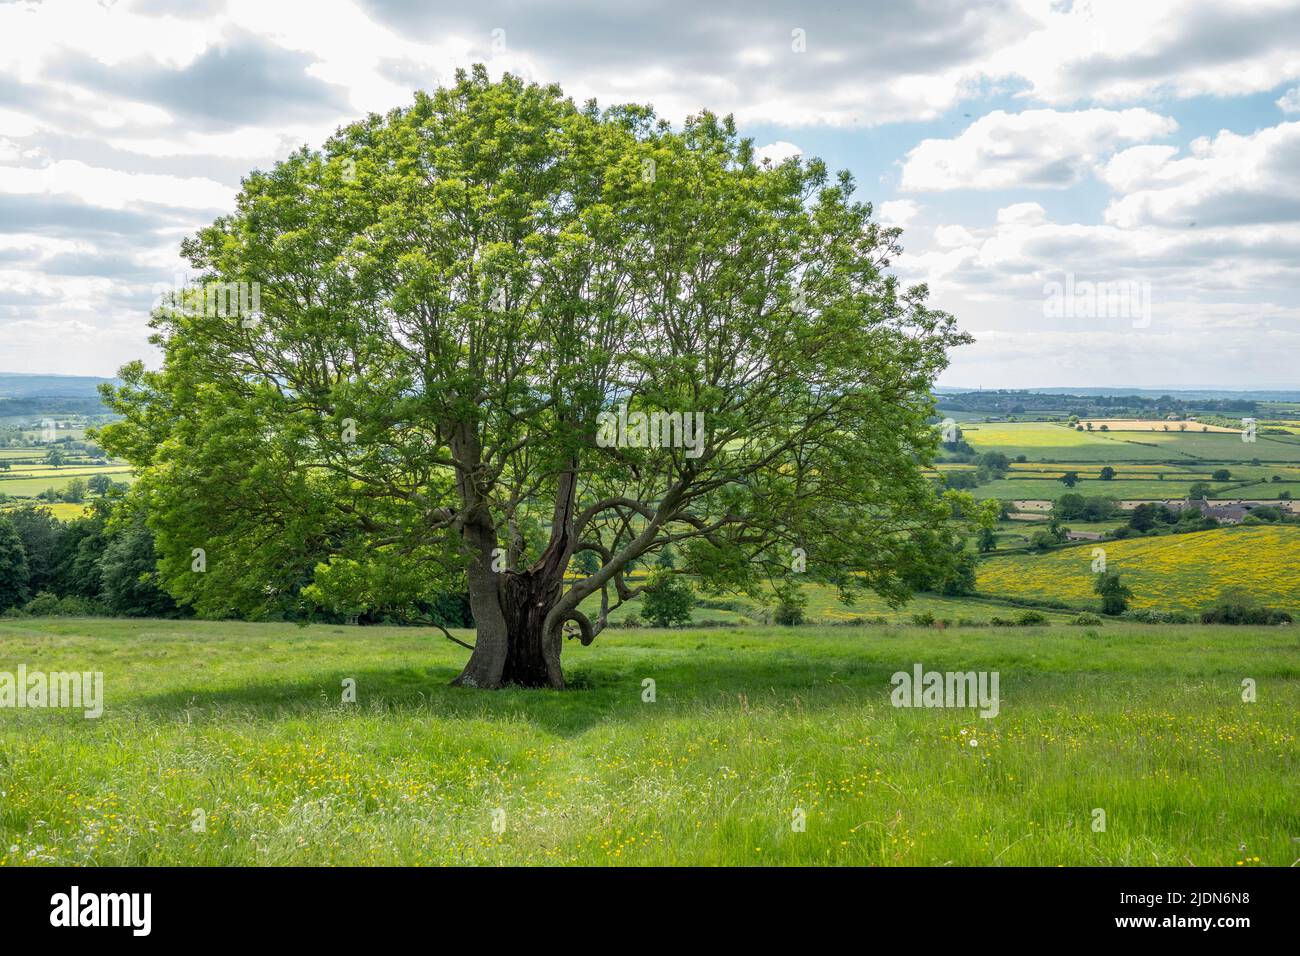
<point x="511" y="646"/>
<point x="511" y="606"/>
<point x="532" y="658"/>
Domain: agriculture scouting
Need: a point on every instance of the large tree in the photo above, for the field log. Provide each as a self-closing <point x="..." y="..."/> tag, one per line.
<point x="459" y="305"/>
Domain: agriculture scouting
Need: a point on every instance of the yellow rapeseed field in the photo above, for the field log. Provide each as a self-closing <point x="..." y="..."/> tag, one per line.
<point x="1174" y="572"/>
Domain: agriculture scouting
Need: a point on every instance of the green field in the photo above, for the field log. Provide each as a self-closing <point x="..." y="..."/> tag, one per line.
<point x="1048" y="442"/>
<point x="824" y="607"/>
<point x="1122" y="488"/>
<point x="31" y="487"/>
<point x="64" y="511"/>
<point x="1181" y="571"/>
<point x="1051" y="442"/>
<point x="245" y="722"/>
<point x="29" y="475"/>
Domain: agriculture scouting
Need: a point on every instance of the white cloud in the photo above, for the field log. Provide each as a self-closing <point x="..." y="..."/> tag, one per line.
<point x="114" y="189"/>
<point x="950" y="236"/>
<point x="13" y="123"/>
<point x="1228" y="180"/>
<point x="777" y="153"/>
<point x="1044" y="148"/>
<point x="1022" y="213"/>
<point x="123" y="129"/>
<point x="1118" y="51"/>
<point x="897" y="212"/>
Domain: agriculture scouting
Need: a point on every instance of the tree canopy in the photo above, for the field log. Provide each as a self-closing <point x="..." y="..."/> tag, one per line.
<point x="460" y="312"/>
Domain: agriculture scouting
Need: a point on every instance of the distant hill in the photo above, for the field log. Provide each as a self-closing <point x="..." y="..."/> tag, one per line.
<point x="23" y="395"/>
<point x="21" y="385"/>
<point x="1184" y="394"/>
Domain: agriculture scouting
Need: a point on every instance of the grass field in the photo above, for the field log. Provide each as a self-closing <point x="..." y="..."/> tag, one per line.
<point x="33" y="476"/>
<point x="63" y="510"/>
<point x="824" y="606"/>
<point x="1014" y="488"/>
<point x="1182" y="571"/>
<point x="1147" y="425"/>
<point x="749" y="727"/>
<point x="1046" y="441"/>
<point x="31" y="487"/>
<point x="1052" y="442"/>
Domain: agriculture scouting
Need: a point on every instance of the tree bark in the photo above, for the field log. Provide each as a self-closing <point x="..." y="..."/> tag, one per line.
<point x="512" y="646"/>
<point x="532" y="656"/>
<point x="517" y="641"/>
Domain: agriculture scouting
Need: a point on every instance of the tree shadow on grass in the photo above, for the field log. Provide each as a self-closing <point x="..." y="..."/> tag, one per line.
<point x="601" y="693"/>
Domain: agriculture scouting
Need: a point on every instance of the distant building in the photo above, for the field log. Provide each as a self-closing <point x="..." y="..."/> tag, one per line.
<point x="1083" y="535"/>
<point x="1228" y="512"/>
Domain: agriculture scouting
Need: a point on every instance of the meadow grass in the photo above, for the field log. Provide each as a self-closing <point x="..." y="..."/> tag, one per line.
<point x="748" y="726"/>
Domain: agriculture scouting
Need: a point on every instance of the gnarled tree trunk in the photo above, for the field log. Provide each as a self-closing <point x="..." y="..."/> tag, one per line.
<point x="512" y="646"/>
<point x="515" y="643"/>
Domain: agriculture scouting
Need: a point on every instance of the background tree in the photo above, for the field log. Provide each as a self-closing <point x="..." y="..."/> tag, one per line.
<point x="78" y="553"/>
<point x="450" y="295"/>
<point x="39" y="531"/>
<point x="1069" y="479"/>
<point x="75" y="491"/>
<point x="668" y="599"/>
<point x="790" y="604"/>
<point x="13" y="567"/>
<point x="128" y="572"/>
<point x="1114" y="593"/>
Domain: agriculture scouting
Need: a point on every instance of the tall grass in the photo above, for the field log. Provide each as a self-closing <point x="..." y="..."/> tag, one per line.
<point x="749" y="729"/>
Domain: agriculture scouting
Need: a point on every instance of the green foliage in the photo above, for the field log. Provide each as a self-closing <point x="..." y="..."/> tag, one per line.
<point x="790" y="604"/>
<point x="39" y="531"/>
<point x="668" y="600"/>
<point x="489" y="268"/>
<point x="1076" y="507"/>
<point x="1146" y="516"/>
<point x="128" y="572"/>
<point x="75" y="491"/>
<point x="77" y="556"/>
<point x="992" y="465"/>
<point x="1114" y="593"/>
<point x="1146" y="615"/>
<point x="961" y="480"/>
<point x="14" y="572"/>
<point x="1046" y="540"/>
<point x="1236" y="606"/>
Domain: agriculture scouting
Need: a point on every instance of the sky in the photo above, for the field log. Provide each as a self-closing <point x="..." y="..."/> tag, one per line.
<point x="1102" y="193"/>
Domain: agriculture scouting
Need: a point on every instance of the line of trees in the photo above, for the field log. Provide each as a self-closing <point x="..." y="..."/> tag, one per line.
<point x="102" y="563"/>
